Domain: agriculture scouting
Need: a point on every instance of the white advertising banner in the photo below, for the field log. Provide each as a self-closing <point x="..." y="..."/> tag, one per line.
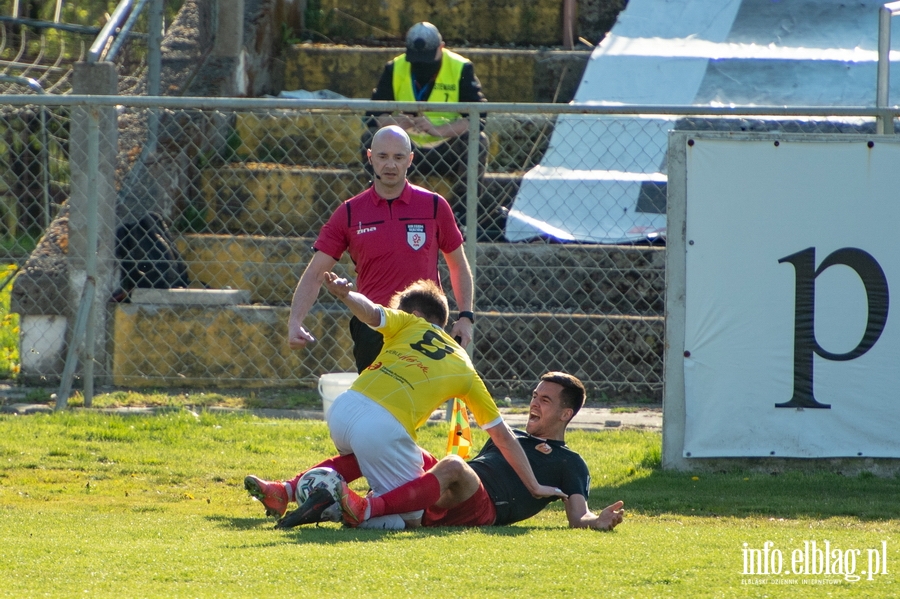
<point x="791" y="345"/>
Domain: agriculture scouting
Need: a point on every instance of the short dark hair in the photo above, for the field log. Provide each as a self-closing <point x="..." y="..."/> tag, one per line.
<point x="426" y="297"/>
<point x="572" y="394"/>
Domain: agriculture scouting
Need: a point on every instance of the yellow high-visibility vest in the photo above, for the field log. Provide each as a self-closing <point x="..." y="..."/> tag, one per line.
<point x="446" y="89"/>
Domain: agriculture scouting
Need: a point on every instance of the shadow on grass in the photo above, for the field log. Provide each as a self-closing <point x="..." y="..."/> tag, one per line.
<point x="240" y="523"/>
<point x="792" y="494"/>
<point x="306" y="534"/>
<point x="326" y="532"/>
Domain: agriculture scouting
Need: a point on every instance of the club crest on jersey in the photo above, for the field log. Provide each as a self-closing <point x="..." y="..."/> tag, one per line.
<point x="415" y="236"/>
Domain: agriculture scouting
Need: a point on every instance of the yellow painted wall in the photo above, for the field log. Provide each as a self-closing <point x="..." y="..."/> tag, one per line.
<point x="243" y="345"/>
<point x="276" y="199"/>
<point x="267" y="267"/>
<point x="505" y="75"/>
<point x="312" y="139"/>
<point x="477" y="21"/>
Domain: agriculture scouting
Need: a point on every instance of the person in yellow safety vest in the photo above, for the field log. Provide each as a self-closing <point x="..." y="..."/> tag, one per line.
<point x="428" y="72"/>
<point x="431" y="127"/>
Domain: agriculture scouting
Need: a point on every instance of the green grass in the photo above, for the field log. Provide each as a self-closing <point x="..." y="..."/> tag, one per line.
<point x="153" y="506"/>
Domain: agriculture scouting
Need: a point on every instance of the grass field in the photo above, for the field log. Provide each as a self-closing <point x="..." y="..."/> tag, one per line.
<point x="95" y="505"/>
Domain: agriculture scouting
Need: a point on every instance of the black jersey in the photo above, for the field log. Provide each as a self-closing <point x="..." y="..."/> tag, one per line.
<point x="553" y="463"/>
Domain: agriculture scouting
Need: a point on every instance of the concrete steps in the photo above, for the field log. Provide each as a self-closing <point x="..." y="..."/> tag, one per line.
<point x="615" y="280"/>
<point x="184" y="345"/>
<point x="328" y="140"/>
<point x="596" y="311"/>
<point x="310" y="138"/>
<point x="593" y="311"/>
<point x="487" y="22"/>
<point x="267" y="267"/>
<point x="506" y="75"/>
<point x="272" y="199"/>
<point x="285" y="172"/>
<point x="626" y="351"/>
<point x="610" y="280"/>
<point x="245" y="345"/>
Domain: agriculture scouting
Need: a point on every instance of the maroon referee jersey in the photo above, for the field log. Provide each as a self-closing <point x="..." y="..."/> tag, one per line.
<point x="392" y="243"/>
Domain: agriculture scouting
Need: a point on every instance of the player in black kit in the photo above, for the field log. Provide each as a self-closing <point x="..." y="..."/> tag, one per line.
<point x="485" y="491"/>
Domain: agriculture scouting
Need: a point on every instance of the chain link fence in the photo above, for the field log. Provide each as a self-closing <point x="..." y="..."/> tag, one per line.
<point x="40" y="41"/>
<point x="34" y="174"/>
<point x="216" y="211"/>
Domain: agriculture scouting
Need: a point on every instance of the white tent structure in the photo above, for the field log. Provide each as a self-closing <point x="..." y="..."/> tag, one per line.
<point x="602" y="179"/>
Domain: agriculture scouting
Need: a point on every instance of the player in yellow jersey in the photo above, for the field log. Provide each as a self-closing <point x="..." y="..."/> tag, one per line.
<point x="419" y="368"/>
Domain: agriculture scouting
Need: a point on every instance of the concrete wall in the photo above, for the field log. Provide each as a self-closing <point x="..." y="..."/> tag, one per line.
<point x="506" y="75"/>
<point x="243" y="345"/>
<point x="185" y="345"/>
<point x="598" y="279"/>
<point x="531" y="22"/>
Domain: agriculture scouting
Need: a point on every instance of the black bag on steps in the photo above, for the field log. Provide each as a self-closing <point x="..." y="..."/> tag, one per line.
<point x="148" y="256"/>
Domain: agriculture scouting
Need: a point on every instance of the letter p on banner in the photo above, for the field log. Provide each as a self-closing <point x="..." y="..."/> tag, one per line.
<point x="805" y="344"/>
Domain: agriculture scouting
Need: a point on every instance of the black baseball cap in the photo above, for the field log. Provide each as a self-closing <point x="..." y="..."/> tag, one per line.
<point x="422" y="42"/>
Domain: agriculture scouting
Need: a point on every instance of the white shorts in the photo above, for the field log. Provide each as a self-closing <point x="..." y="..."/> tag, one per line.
<point x="387" y="456"/>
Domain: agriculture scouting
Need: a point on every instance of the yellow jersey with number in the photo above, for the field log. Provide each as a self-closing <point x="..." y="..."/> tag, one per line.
<point x="419" y="368"/>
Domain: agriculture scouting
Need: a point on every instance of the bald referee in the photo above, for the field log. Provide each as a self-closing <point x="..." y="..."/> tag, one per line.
<point x="394" y="232"/>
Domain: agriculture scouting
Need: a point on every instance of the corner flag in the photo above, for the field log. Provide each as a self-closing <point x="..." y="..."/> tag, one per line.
<point x="460" y="435"/>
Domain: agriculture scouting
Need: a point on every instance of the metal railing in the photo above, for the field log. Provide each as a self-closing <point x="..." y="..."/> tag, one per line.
<point x="115" y="31"/>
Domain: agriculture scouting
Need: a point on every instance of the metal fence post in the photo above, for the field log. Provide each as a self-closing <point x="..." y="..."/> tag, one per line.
<point x="92" y="218"/>
<point x="472" y="169"/>
<point x="154" y="64"/>
<point x="93" y="205"/>
<point x="471" y="242"/>
<point x="83" y="337"/>
<point x="884" y="124"/>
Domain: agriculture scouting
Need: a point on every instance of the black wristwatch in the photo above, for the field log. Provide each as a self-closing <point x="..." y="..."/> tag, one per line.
<point x="467" y="314"/>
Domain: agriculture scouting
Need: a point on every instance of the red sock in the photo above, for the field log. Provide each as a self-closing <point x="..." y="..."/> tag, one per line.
<point x="415" y="495"/>
<point x="345" y="465"/>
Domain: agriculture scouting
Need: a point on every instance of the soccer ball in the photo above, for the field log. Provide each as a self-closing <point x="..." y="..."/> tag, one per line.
<point x="319" y="477"/>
